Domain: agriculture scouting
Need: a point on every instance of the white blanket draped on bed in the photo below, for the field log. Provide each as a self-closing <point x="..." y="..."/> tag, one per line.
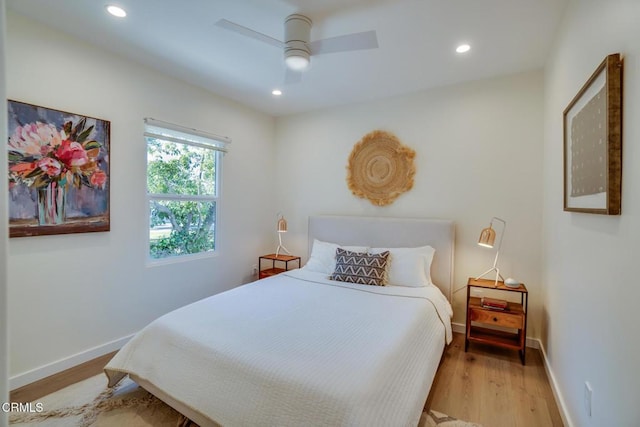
<point x="296" y="349"/>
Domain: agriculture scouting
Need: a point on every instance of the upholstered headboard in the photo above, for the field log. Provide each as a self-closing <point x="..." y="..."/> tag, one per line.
<point x="392" y="233"/>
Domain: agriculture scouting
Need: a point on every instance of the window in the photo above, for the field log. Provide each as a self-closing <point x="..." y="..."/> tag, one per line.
<point x="183" y="188"/>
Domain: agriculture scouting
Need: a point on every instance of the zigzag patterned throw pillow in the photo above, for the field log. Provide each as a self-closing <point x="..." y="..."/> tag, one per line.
<point x="361" y="268"/>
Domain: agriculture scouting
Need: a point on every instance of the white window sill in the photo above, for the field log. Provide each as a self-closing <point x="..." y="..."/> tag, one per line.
<point x="152" y="262"/>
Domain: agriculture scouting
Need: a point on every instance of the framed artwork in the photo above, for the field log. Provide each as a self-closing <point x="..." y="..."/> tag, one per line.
<point x="593" y="143"/>
<point x="380" y="168"/>
<point x="58" y="171"/>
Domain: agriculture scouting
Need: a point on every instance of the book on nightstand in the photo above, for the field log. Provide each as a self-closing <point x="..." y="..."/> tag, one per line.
<point x="493" y="303"/>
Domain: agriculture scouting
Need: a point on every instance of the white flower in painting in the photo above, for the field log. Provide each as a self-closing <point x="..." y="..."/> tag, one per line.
<point x="36" y="139"/>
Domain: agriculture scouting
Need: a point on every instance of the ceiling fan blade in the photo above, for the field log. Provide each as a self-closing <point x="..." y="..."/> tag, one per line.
<point x="248" y="32"/>
<point x="355" y="41"/>
<point x="292" y="77"/>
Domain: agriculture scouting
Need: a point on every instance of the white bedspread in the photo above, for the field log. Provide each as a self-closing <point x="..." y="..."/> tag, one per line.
<point x="296" y="349"/>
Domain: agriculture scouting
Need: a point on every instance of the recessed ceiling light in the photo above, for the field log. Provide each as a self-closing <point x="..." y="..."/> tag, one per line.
<point x="463" y="48"/>
<point x="276" y="92"/>
<point x="116" y="11"/>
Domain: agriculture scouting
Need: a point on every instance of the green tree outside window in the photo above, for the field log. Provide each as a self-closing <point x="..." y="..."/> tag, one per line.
<point x="182" y="188"/>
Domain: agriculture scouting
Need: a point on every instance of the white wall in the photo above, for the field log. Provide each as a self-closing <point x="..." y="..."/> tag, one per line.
<point x="4" y="348"/>
<point x="70" y="293"/>
<point x="479" y="154"/>
<point x="591" y="296"/>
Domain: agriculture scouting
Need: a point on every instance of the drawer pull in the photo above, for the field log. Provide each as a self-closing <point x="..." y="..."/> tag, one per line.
<point x="495" y="319"/>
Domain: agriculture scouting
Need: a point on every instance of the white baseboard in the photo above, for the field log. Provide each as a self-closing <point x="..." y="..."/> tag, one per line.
<point x="536" y="343"/>
<point x="34" y="375"/>
<point x="564" y="413"/>
<point x="459" y="328"/>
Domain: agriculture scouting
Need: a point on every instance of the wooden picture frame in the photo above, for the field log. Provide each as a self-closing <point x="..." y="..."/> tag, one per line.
<point x="58" y="171"/>
<point x="592" y="142"/>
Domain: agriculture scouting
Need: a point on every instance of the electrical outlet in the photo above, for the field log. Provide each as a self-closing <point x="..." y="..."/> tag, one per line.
<point x="254" y="269"/>
<point x="588" y="394"/>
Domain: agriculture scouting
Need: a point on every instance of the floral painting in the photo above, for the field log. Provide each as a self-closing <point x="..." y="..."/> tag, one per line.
<point x="58" y="171"/>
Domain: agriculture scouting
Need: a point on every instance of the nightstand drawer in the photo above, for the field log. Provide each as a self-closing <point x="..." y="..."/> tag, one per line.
<point x="508" y="320"/>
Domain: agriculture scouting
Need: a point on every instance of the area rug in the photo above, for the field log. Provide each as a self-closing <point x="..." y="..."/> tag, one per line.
<point x="90" y="403"/>
<point x="435" y="418"/>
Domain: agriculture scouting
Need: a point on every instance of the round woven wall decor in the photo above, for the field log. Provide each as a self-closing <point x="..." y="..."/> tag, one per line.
<point x="380" y="168"/>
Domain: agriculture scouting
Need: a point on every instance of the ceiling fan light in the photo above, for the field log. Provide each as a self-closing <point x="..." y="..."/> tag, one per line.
<point x="297" y="61"/>
<point x="463" y="48"/>
<point x="116" y="11"/>
<point x="297" y="30"/>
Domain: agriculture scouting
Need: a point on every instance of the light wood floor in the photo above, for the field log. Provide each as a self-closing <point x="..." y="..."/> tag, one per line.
<point x="485" y="385"/>
<point x="491" y="387"/>
<point x="58" y="381"/>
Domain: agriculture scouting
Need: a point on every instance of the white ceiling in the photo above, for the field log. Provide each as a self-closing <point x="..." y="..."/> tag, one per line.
<point x="417" y="40"/>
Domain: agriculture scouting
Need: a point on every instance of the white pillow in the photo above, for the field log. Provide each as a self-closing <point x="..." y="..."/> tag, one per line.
<point x="408" y="266"/>
<point x="323" y="256"/>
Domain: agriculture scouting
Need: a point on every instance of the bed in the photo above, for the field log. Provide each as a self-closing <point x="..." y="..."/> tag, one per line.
<point x="300" y="349"/>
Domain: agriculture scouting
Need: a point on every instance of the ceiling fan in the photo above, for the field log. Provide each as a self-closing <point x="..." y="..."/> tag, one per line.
<point x="297" y="47"/>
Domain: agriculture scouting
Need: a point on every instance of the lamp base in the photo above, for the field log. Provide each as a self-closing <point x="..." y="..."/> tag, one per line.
<point x="281" y="248"/>
<point x="498" y="275"/>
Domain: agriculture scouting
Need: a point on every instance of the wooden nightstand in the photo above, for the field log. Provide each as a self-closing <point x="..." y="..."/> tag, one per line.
<point x="514" y="317"/>
<point x="275" y="264"/>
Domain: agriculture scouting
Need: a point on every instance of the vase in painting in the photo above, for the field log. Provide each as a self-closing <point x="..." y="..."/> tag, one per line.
<point x="51" y="204"/>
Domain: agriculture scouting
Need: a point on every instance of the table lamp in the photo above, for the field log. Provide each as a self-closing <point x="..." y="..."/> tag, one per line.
<point x="487" y="239"/>
<point x="281" y="228"/>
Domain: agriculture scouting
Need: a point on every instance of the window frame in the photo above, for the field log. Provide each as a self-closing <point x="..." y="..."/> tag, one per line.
<point x="217" y="144"/>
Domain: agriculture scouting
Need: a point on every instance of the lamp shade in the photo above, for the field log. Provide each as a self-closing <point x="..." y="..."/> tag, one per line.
<point x="487" y="237"/>
<point x="282" y="225"/>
